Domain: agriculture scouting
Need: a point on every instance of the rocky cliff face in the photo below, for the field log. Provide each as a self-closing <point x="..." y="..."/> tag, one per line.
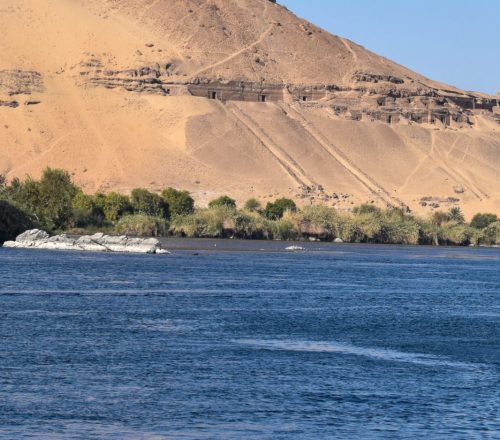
<point x="19" y="85"/>
<point x="236" y="96"/>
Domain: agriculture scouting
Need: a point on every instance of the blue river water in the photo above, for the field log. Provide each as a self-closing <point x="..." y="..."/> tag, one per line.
<point x="231" y="340"/>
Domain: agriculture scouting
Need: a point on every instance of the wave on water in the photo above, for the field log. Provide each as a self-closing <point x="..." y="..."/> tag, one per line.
<point x="166" y="325"/>
<point x="347" y="349"/>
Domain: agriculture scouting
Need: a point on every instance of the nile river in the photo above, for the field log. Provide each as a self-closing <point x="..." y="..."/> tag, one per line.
<point x="232" y="340"/>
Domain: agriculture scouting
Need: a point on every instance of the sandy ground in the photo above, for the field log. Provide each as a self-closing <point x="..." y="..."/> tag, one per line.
<point x="117" y="139"/>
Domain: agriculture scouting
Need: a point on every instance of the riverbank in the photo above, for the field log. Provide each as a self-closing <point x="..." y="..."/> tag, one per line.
<point x="199" y="246"/>
<point x="55" y="204"/>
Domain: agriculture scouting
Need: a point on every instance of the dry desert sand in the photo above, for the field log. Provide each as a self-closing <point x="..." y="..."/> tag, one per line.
<point x="119" y="93"/>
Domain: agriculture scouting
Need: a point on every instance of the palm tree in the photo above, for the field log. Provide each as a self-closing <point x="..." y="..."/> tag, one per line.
<point x="456" y="215"/>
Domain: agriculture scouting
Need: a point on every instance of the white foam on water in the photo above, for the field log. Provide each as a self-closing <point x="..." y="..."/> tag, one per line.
<point x="368" y="352"/>
<point x="166" y="325"/>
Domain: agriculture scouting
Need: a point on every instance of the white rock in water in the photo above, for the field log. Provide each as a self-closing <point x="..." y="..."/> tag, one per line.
<point x="32" y="235"/>
<point x="295" y="248"/>
<point x="91" y="243"/>
<point x="87" y="243"/>
<point x="338" y="240"/>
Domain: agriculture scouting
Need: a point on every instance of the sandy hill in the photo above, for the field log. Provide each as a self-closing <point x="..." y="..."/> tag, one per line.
<point x="238" y="97"/>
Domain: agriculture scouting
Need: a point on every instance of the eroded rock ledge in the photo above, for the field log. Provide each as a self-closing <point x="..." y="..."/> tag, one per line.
<point x="367" y="96"/>
<point x="37" y="239"/>
<point x="14" y="84"/>
<point x="20" y="82"/>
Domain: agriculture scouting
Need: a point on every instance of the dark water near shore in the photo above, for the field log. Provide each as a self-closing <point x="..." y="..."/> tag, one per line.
<point x="245" y="341"/>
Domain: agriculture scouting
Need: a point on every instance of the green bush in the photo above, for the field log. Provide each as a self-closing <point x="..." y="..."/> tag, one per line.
<point x="275" y="210"/>
<point x="149" y="204"/>
<point x="394" y="231"/>
<point x="481" y="221"/>
<point x="99" y="199"/>
<point x="317" y="221"/>
<point x="116" y="205"/>
<point x="179" y="202"/>
<point x="83" y="202"/>
<point x="366" y="209"/>
<point x="396" y="227"/>
<point x="349" y="230"/>
<point x="142" y="225"/>
<point x="456" y="215"/>
<point x="491" y="234"/>
<point x="223" y="201"/>
<point x="252" y="225"/>
<point x="430" y="234"/>
<point x="49" y="200"/>
<point x="27" y="195"/>
<point x="215" y="222"/>
<point x="459" y="235"/>
<point x="252" y="205"/>
<point x="4" y="188"/>
<point x="369" y="225"/>
<point x="284" y="229"/>
<point x="439" y="218"/>
<point x="86" y="212"/>
<point x="57" y="192"/>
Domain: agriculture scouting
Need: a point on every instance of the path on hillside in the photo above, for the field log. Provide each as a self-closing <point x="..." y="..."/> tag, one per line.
<point x="291" y="167"/>
<point x="92" y="124"/>
<point x="437" y="160"/>
<point x="36" y="159"/>
<point x="262" y="37"/>
<point x="146" y="10"/>
<point x="339" y="156"/>
<point x="437" y="154"/>
<point x="414" y="172"/>
<point x="346" y="79"/>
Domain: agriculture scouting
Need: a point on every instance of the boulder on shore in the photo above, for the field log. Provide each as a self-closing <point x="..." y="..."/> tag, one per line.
<point x="99" y="242"/>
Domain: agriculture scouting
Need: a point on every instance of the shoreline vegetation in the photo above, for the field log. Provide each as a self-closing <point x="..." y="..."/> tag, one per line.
<point x="54" y="203"/>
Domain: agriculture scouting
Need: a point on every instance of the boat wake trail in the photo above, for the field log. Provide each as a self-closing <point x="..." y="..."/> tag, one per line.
<point x="380" y="354"/>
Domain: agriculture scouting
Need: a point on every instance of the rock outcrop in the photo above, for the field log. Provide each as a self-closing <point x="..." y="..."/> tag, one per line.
<point x="20" y="82"/>
<point x="37" y="239"/>
<point x="11" y="104"/>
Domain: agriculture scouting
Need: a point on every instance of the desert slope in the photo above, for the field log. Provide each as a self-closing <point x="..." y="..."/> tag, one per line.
<point x="116" y="91"/>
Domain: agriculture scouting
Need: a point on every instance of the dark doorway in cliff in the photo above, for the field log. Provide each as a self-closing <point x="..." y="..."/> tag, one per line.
<point x="304" y="98"/>
<point x="262" y="98"/>
<point x="212" y="94"/>
<point x="389" y="119"/>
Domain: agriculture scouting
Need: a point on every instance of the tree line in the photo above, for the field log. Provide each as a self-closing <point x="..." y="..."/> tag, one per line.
<point x="55" y="203"/>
